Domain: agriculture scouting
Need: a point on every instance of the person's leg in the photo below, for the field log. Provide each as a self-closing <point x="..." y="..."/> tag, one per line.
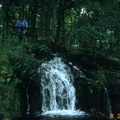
<point x="20" y="37"/>
<point x="25" y="38"/>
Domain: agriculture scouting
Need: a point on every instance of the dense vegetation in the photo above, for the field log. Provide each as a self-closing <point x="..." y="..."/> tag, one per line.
<point x="85" y="23"/>
<point x="92" y="26"/>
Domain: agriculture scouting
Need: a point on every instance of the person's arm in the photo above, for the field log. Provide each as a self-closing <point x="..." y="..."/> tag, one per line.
<point x="17" y="24"/>
<point x="26" y="24"/>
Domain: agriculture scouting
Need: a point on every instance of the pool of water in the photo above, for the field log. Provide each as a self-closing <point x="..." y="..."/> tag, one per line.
<point x="61" y="117"/>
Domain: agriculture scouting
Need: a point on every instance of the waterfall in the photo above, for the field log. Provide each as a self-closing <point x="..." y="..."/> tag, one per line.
<point x="58" y="92"/>
<point x="107" y="104"/>
<point x="28" y="104"/>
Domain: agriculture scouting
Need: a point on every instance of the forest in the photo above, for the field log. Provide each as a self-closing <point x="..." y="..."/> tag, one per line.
<point x="87" y="32"/>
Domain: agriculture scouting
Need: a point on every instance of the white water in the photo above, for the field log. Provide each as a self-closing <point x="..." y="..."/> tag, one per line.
<point x="107" y="104"/>
<point x="58" y="92"/>
<point x="28" y="101"/>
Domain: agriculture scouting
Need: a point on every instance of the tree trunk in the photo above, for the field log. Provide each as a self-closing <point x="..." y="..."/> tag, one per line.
<point x="48" y="19"/>
<point x="57" y="39"/>
<point x="6" y="18"/>
<point x="33" y="19"/>
<point x="54" y="18"/>
<point x="42" y="20"/>
<point x="63" y="25"/>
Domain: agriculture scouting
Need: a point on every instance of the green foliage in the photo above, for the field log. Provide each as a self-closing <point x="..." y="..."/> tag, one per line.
<point x="9" y="94"/>
<point x="41" y="51"/>
<point x="101" y="77"/>
<point x="98" y="28"/>
<point x="26" y="62"/>
<point x="24" y="66"/>
<point x="19" y="64"/>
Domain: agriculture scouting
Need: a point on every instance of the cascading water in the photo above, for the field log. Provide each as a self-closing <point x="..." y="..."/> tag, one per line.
<point x="58" y="92"/>
<point x="28" y="104"/>
<point x="107" y="104"/>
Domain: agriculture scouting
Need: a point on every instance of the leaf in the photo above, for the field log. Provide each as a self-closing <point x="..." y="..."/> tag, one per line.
<point x="4" y="72"/>
<point x="8" y="79"/>
<point x="16" y="81"/>
<point x="2" y="80"/>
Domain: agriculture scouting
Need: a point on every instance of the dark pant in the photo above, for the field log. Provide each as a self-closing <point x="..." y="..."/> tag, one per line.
<point x="21" y="37"/>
